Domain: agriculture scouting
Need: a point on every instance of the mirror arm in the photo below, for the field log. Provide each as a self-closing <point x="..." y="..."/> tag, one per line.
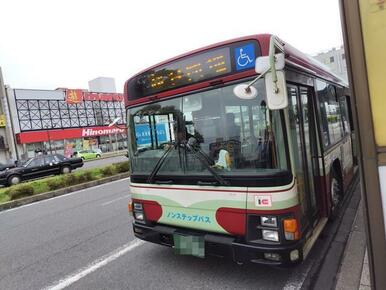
<point x="248" y="88"/>
<point x="273" y="44"/>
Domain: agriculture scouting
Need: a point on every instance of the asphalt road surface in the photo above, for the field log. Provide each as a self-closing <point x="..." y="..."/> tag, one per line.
<point x="84" y="240"/>
<point x="104" y="161"/>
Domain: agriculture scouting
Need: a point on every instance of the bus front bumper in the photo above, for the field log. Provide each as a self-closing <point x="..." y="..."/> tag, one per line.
<point x="225" y="246"/>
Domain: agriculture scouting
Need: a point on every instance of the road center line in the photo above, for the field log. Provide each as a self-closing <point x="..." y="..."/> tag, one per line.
<point x="103" y="261"/>
<point x="113" y="200"/>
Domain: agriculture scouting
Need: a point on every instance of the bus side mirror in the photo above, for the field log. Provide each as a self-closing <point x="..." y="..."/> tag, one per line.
<point x="277" y="97"/>
<point x="263" y="63"/>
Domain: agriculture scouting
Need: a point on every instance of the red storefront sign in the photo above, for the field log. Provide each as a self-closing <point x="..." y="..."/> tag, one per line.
<point x="74" y="96"/>
<point x="77" y="96"/>
<point x="50" y="135"/>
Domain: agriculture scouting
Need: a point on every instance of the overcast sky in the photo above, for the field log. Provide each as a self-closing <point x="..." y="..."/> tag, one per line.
<point x="50" y="44"/>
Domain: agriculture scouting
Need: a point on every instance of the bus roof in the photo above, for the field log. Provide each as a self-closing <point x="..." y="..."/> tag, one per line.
<point x="293" y="57"/>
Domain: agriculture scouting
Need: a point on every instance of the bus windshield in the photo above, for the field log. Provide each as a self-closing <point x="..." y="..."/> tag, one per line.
<point x="207" y="133"/>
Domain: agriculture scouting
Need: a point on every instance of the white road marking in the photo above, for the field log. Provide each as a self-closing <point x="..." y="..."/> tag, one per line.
<point x="64" y="195"/>
<point x="103" y="261"/>
<point x="114" y="200"/>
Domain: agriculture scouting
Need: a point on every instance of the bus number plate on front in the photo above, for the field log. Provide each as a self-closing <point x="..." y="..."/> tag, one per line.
<point x="189" y="245"/>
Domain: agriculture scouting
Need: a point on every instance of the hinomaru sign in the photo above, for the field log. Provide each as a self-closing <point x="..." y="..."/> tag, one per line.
<point x="76" y="96"/>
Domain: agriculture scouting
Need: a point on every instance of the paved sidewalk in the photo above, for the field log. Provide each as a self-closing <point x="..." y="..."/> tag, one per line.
<point x="354" y="270"/>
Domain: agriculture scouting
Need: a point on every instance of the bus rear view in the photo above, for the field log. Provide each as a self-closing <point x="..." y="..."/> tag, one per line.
<point x="212" y="170"/>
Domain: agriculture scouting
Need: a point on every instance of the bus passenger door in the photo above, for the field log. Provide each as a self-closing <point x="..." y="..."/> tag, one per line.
<point x="304" y="141"/>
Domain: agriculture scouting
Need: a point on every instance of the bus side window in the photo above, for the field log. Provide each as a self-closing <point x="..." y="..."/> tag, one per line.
<point x="322" y="100"/>
<point x="345" y="117"/>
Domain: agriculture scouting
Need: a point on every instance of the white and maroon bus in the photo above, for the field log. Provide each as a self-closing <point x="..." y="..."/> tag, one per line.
<point x="241" y="149"/>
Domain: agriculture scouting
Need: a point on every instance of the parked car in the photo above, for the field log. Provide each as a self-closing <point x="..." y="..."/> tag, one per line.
<point x="42" y="165"/>
<point x="89" y="154"/>
<point x="6" y="166"/>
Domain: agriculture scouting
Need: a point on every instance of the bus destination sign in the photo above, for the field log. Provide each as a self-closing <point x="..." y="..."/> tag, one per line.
<point x="190" y="70"/>
<point x="193" y="69"/>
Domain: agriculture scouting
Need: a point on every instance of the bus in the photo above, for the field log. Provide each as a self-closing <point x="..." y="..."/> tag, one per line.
<point x="242" y="150"/>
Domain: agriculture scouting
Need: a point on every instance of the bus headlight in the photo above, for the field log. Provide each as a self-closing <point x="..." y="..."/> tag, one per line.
<point x="268" y="221"/>
<point x="270" y="235"/>
<point x="138" y="216"/>
<point x="137" y="206"/>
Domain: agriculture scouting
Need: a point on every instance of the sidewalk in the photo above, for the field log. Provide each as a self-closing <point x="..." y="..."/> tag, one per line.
<point x="354" y="269"/>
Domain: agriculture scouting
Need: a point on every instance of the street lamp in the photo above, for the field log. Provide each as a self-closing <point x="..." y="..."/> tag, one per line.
<point x="49" y="138"/>
<point x="114" y="123"/>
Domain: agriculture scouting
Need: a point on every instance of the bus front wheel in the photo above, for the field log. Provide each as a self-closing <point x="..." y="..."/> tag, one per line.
<point x="336" y="189"/>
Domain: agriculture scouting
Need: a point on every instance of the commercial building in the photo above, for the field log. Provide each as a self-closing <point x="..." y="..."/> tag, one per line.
<point x="335" y="59"/>
<point x="6" y="133"/>
<point x="63" y="121"/>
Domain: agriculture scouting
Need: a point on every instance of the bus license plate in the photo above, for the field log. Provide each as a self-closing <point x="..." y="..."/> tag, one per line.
<point x="189" y="245"/>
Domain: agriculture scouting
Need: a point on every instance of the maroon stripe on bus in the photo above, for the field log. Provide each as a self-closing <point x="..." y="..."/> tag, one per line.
<point x="233" y="220"/>
<point x="152" y="209"/>
<point x="214" y="190"/>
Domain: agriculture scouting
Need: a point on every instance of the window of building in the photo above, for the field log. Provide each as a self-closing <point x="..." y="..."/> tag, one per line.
<point x="50" y="114"/>
<point x="343" y="56"/>
<point x="331" y="59"/>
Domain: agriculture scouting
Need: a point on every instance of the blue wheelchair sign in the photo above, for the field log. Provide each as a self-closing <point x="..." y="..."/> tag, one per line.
<point x="245" y="57"/>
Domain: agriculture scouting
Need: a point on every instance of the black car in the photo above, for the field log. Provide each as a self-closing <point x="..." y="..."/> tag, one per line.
<point x="6" y="166"/>
<point x="42" y="165"/>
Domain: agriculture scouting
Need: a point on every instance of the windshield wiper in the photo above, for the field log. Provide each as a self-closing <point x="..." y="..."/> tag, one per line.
<point x="200" y="155"/>
<point x="158" y="165"/>
<point x="204" y="160"/>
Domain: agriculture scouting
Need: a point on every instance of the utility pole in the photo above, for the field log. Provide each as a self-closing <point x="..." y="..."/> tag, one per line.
<point x="364" y="29"/>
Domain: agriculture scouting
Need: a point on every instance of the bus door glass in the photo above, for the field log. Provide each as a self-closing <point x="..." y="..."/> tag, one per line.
<point x="303" y="140"/>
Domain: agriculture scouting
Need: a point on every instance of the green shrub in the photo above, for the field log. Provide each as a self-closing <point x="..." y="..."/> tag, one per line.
<point x="81" y="178"/>
<point x="56" y="183"/>
<point x="122" y="166"/>
<point x="108" y="170"/>
<point x="70" y="179"/>
<point x="88" y="176"/>
<point x="21" y="190"/>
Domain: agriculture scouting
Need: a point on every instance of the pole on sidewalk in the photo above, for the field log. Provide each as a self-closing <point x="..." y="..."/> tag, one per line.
<point x="364" y="30"/>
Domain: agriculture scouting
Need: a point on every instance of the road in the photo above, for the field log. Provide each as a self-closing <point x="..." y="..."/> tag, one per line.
<point x="84" y="241"/>
<point x="104" y="161"/>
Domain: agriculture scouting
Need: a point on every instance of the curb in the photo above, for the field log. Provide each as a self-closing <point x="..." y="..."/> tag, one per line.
<point x="62" y="191"/>
<point x="322" y="274"/>
<point x="351" y="268"/>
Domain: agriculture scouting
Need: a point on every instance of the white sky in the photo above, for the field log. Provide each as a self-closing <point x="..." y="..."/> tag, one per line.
<point x="45" y="44"/>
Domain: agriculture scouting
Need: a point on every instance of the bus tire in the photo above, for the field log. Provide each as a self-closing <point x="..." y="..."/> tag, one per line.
<point x="336" y="191"/>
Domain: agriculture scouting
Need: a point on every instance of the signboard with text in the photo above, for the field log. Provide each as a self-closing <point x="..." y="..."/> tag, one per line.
<point x="78" y="96"/>
<point x="61" y="134"/>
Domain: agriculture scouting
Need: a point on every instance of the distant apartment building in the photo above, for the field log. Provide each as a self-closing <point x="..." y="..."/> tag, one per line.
<point x="335" y="59"/>
<point x="103" y="85"/>
<point x="7" y="140"/>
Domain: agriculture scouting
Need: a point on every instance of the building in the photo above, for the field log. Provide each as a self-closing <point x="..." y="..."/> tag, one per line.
<point x="64" y="121"/>
<point x="6" y="134"/>
<point x="335" y="59"/>
<point x="102" y="84"/>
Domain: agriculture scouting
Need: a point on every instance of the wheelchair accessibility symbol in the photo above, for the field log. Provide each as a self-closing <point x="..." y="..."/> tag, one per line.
<point x="245" y="57"/>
